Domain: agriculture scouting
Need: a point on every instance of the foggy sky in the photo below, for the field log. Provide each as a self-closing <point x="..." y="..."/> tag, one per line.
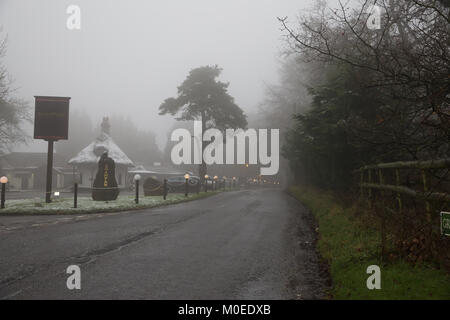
<point x="131" y="55"/>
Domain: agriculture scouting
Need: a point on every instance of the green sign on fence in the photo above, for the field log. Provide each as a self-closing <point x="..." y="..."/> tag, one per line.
<point x="445" y="223"/>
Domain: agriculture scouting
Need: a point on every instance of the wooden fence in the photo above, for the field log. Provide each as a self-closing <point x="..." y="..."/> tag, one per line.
<point x="373" y="179"/>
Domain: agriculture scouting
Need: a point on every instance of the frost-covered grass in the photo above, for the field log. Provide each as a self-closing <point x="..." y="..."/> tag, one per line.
<point x="87" y="205"/>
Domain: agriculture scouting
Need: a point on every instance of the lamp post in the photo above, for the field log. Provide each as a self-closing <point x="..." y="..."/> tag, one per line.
<point x="137" y="177"/>
<point x="76" y="180"/>
<point x="3" y="181"/>
<point x="224" y="182"/>
<point x="234" y="182"/>
<point x="215" y="182"/>
<point x="187" y="176"/>
<point x="206" y="182"/>
<point x="165" y="190"/>
<point x="75" y="194"/>
<point x="197" y="189"/>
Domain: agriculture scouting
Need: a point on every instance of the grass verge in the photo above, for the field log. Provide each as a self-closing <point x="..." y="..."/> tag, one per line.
<point x="350" y="245"/>
<point x="87" y="205"/>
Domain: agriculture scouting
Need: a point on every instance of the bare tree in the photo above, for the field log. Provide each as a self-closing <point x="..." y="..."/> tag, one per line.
<point x="406" y="59"/>
<point x="13" y="112"/>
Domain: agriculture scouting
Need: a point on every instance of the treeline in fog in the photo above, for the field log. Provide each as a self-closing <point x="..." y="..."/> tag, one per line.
<point x="351" y="95"/>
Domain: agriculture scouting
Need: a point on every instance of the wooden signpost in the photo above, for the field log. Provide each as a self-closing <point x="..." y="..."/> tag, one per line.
<point x="51" y="123"/>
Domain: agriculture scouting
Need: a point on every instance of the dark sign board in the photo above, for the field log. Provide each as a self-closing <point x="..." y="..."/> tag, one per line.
<point x="51" y="118"/>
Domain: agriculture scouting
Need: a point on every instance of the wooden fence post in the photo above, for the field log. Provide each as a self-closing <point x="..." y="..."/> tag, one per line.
<point x="399" y="198"/>
<point x="428" y="239"/>
<point x="370" y="190"/>
<point x="361" y="189"/>
<point x="383" y="218"/>
<point x="425" y="189"/>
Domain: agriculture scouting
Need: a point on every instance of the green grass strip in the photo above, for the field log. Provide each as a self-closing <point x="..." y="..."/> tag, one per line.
<point x="349" y="243"/>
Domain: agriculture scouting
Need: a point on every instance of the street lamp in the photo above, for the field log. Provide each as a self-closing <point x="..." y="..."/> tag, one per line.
<point x="234" y="182"/>
<point x="206" y="182"/>
<point x="165" y="190"/>
<point x="137" y="177"/>
<point x="187" y="176"/>
<point x="224" y="182"/>
<point x="215" y="182"/>
<point x="3" y="181"/>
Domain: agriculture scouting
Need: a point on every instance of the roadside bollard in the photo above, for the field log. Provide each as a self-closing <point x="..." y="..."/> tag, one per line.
<point x="165" y="189"/>
<point x="186" y="176"/>
<point x="75" y="195"/>
<point x="3" y="181"/>
<point x="137" y="177"/>
<point x="215" y="186"/>
<point x="206" y="183"/>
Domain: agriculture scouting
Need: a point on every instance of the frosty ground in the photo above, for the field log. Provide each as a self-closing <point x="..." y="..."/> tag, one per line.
<point x="87" y="205"/>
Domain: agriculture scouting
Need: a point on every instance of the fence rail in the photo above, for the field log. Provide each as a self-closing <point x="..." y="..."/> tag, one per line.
<point x="429" y="164"/>
<point x="398" y="188"/>
<point x="438" y="196"/>
<point x="373" y="185"/>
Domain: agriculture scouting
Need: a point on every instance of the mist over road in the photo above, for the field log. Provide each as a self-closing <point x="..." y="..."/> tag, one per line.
<point x="252" y="244"/>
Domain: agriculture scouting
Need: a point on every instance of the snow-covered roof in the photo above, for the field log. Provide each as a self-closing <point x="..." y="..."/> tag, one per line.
<point x="91" y="154"/>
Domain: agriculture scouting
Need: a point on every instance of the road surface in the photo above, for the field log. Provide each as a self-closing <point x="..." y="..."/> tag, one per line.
<point x="251" y="244"/>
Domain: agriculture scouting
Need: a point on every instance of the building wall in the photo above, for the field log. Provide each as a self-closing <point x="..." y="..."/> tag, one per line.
<point x="16" y="180"/>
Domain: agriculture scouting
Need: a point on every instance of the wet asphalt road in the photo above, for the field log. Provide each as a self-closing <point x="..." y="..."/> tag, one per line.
<point x="252" y="244"/>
